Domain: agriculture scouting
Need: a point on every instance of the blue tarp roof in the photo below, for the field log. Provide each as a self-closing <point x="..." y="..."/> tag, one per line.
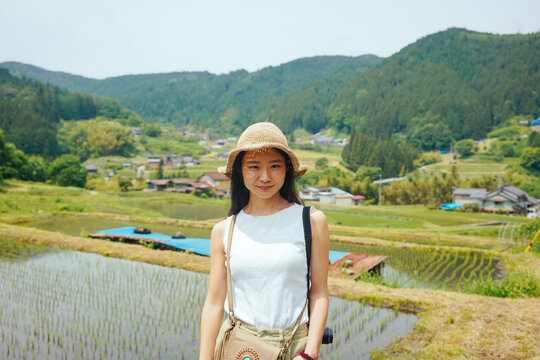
<point x="196" y="245"/>
<point x="451" y="206"/>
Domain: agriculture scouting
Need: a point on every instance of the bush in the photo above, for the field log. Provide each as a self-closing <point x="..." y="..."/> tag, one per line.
<point x="67" y="171"/>
<point x="514" y="285"/>
<point x="472" y="207"/>
<point x="465" y="147"/>
<point x="511" y="131"/>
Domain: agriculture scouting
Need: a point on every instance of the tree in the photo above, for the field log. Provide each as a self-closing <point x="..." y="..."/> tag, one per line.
<point x="321" y="163"/>
<point x="160" y="169"/>
<point x="152" y="130"/>
<point x="530" y="158"/>
<point x="67" y="171"/>
<point x="124" y="184"/>
<point x="464" y="147"/>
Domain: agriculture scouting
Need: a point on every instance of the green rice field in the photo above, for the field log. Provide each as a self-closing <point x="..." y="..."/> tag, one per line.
<point x="59" y="304"/>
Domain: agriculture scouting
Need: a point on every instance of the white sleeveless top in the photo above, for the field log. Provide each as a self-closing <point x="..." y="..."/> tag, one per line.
<point x="268" y="268"/>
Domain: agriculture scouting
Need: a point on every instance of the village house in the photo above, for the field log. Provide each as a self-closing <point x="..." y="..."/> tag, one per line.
<point x="160" y="185"/>
<point x="468" y="196"/>
<point x="217" y="179"/>
<point x="506" y="198"/>
<point x="182" y="185"/>
<point x="510" y="199"/>
<point x="91" y="168"/>
<point x="172" y="160"/>
<point x="136" y="132"/>
<point x="320" y="139"/>
<point x="152" y="161"/>
<point x="330" y="195"/>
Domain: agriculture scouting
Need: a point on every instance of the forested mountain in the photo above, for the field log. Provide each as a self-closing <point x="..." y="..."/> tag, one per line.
<point x="453" y="84"/>
<point x="60" y="79"/>
<point x="30" y="112"/>
<point x="231" y="101"/>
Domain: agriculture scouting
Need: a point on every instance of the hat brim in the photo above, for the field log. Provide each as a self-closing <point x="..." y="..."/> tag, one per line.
<point x="299" y="169"/>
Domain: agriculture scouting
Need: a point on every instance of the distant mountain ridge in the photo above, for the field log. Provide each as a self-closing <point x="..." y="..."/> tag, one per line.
<point x="203" y="100"/>
<point x="456" y="81"/>
<point x="61" y="79"/>
<point x="450" y="85"/>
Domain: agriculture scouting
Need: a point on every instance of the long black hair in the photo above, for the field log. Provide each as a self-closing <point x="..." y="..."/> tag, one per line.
<point x="240" y="194"/>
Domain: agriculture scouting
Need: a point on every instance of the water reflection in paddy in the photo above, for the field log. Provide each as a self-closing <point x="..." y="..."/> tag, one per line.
<point x="66" y="304"/>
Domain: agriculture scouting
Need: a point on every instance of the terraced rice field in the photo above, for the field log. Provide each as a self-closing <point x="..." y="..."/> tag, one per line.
<point x="412" y="268"/>
<point x="59" y="304"/>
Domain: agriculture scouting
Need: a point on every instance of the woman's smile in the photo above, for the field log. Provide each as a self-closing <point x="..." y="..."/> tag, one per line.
<point x="263" y="172"/>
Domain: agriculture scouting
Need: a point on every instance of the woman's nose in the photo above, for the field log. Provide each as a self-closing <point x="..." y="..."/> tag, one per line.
<point x="264" y="175"/>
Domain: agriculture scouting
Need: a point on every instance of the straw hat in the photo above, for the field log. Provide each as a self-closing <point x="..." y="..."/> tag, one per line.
<point x="258" y="136"/>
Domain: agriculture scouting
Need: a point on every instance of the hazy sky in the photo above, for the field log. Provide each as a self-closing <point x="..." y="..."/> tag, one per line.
<point x="102" y="38"/>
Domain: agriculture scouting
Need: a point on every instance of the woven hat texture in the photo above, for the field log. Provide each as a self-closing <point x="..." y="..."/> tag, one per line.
<point x="262" y="135"/>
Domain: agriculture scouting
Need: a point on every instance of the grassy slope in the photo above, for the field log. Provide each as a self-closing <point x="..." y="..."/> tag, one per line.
<point x="451" y="326"/>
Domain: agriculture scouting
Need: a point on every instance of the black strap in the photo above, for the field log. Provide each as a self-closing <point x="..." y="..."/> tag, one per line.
<point x="307" y="236"/>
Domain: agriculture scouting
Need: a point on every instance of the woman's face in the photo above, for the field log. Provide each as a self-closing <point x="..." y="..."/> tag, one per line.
<point x="264" y="172"/>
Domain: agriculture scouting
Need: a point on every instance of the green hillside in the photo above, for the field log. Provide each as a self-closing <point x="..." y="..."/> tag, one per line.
<point x="224" y="103"/>
<point x="60" y="79"/>
<point x="456" y="82"/>
<point x="31" y="113"/>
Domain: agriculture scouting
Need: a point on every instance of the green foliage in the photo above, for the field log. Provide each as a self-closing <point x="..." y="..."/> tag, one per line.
<point x="152" y="130"/>
<point x="160" y="169"/>
<point x="321" y="163"/>
<point x="528" y="230"/>
<point x="514" y="285"/>
<point x="124" y="184"/>
<point x="15" y="164"/>
<point x="294" y="94"/>
<point x="393" y="158"/>
<point x="93" y="138"/>
<point x="466" y="80"/>
<point x="67" y="171"/>
<point x="29" y="109"/>
<point x="433" y="190"/>
<point x="427" y="159"/>
<point x="511" y="131"/>
<point x="530" y="158"/>
<point x="428" y="134"/>
<point x="372" y="173"/>
<point x="472" y="207"/>
<point x="534" y="140"/>
<point x="465" y="147"/>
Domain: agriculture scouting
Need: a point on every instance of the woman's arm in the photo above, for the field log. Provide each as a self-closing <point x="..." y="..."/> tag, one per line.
<point x="212" y="313"/>
<point x="319" y="282"/>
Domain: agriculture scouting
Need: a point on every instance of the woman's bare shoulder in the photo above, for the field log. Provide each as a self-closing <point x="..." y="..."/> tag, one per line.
<point x="317" y="216"/>
<point x="219" y="228"/>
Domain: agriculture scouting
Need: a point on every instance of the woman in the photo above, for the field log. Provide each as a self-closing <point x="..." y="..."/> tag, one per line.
<point x="267" y="255"/>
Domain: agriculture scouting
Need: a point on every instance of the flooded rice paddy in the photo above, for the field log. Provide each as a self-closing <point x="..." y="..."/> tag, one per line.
<point x="82" y="225"/>
<point x="407" y="268"/>
<point x="411" y="268"/>
<point x="59" y="304"/>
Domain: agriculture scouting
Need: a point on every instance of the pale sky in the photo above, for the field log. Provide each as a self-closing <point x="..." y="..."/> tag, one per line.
<point x="103" y="38"/>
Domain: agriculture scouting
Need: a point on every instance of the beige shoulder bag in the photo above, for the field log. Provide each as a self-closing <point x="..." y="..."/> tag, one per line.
<point x="238" y="344"/>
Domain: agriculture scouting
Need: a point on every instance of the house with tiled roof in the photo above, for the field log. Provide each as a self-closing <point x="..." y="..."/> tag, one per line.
<point x="509" y="198"/>
<point x="468" y="196"/>
<point x="217" y="179"/>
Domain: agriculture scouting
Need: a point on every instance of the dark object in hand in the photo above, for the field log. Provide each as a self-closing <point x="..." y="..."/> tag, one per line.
<point x="141" y="230"/>
<point x="328" y="336"/>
